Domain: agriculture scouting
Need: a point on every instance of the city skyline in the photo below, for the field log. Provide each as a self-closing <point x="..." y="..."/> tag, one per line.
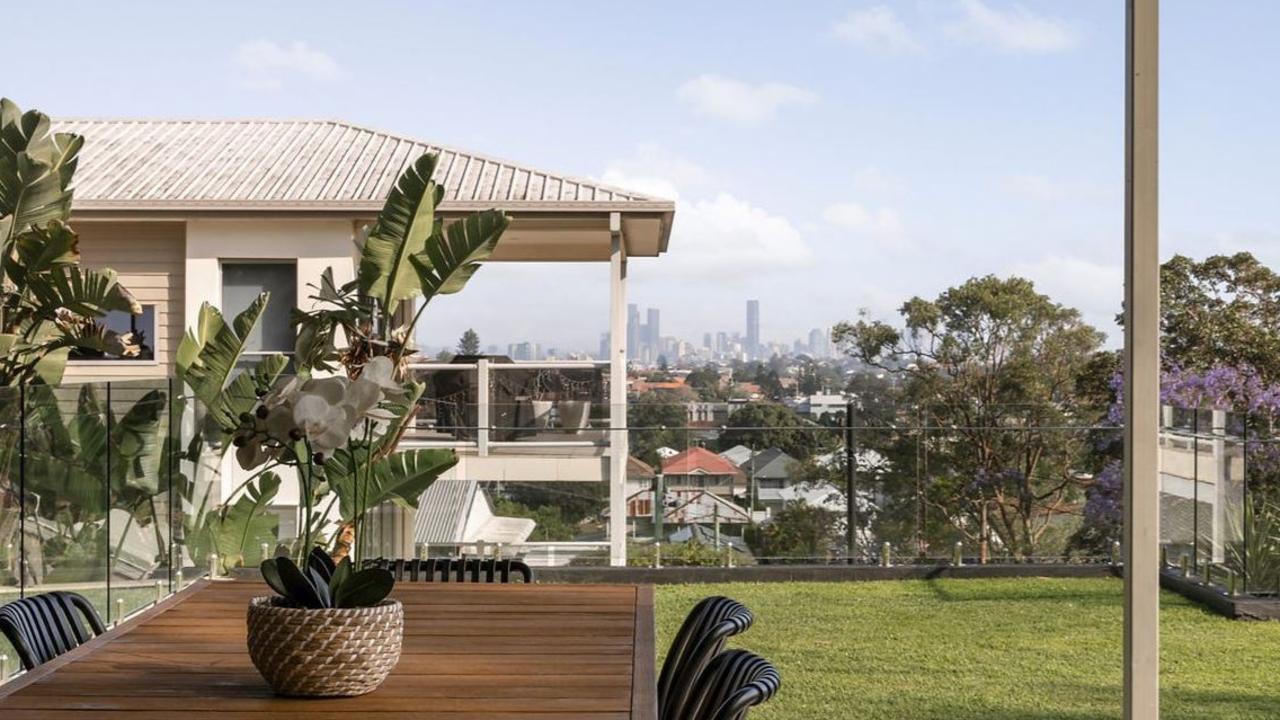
<point x="646" y="345"/>
<point x="975" y="137"/>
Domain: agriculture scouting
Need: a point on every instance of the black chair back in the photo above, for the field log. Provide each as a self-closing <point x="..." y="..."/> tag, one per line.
<point x="473" y="570"/>
<point x="702" y="636"/>
<point x="734" y="682"/>
<point x="42" y="627"/>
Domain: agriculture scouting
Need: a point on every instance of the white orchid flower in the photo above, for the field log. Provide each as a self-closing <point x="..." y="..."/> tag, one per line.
<point x="381" y="372"/>
<point x="326" y="424"/>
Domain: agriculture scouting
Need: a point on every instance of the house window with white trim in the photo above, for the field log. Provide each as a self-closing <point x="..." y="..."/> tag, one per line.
<point x="242" y="283"/>
<point x="140" y="328"/>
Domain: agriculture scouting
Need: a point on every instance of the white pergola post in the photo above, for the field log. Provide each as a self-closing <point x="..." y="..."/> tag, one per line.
<point x="1142" y="366"/>
<point x="618" y="441"/>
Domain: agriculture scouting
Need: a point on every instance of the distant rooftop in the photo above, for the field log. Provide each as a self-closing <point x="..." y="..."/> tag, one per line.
<point x="147" y="164"/>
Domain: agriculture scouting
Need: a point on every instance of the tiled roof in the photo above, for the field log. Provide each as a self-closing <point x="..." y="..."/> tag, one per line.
<point x="698" y="460"/>
<point x="301" y="164"/>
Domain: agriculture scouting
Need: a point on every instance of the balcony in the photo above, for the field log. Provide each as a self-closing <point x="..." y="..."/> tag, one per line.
<point x="496" y="406"/>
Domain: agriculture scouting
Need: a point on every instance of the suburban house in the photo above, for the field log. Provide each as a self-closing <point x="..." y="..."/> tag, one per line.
<point x="700" y="469"/>
<point x="218" y="211"/>
<point x="768" y="473"/>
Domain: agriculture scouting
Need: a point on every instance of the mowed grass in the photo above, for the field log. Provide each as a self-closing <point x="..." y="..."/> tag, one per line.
<point x="1027" y="648"/>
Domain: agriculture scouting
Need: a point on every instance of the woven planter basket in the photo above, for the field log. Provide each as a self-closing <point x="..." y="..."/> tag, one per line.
<point x="324" y="653"/>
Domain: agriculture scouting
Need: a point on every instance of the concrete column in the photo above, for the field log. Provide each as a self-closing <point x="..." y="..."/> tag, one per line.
<point x="1142" y="366"/>
<point x="618" y="440"/>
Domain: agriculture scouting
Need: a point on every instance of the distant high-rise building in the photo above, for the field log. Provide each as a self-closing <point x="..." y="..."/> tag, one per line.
<point x="706" y="340"/>
<point x="633" y="330"/>
<point x="603" y="352"/>
<point x="722" y="342"/>
<point x="524" y="351"/>
<point x="752" y="345"/>
<point x="818" y="343"/>
<point x="653" y="332"/>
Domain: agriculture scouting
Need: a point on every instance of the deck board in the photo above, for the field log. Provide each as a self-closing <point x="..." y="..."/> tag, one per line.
<point x="470" y="651"/>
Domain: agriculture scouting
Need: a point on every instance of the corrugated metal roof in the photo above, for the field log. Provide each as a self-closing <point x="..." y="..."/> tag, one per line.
<point x="442" y="511"/>
<point x="306" y="164"/>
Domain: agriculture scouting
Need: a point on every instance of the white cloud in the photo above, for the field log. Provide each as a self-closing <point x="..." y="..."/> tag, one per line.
<point x="882" y="225"/>
<point x="267" y="65"/>
<point x="878" y="29"/>
<point x="656" y="171"/>
<point x="722" y="238"/>
<point x="1095" y="289"/>
<point x="717" y="96"/>
<point x="1014" y="30"/>
<point x="717" y="237"/>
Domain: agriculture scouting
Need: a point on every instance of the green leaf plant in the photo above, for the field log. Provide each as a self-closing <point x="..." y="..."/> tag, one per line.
<point x="320" y="583"/>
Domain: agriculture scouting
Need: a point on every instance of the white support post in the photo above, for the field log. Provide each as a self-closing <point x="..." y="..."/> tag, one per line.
<point x="618" y="446"/>
<point x="1142" y="366"/>
<point x="482" y="407"/>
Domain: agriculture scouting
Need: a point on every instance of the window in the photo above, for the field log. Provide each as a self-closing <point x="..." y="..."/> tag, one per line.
<point x="143" y="328"/>
<point x="242" y="282"/>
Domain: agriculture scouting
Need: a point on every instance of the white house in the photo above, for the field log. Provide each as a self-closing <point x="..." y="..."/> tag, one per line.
<point x="194" y="211"/>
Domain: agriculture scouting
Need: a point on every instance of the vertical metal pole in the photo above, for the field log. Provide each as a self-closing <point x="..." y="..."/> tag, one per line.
<point x="108" y="475"/>
<point x="659" y="505"/>
<point x="1142" y="365"/>
<point x="618" y="440"/>
<point x="170" y="444"/>
<point x="1195" y="488"/>
<point x="850" y="495"/>
<point x="483" y="416"/>
<point x="22" y="491"/>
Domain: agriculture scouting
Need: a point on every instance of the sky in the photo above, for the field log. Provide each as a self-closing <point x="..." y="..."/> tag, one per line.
<point x="825" y="157"/>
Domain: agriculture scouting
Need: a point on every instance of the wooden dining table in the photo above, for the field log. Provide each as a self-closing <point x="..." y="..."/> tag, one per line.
<point x="471" y="651"/>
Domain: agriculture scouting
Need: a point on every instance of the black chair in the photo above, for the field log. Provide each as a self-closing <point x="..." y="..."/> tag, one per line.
<point x="42" y="627"/>
<point x="734" y="682"/>
<point x="702" y="636"/>
<point x="474" y="570"/>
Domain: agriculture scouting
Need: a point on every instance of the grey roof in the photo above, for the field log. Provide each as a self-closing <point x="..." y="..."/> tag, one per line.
<point x="443" y="510"/>
<point x="738" y="454"/>
<point x="147" y="164"/>
<point x="771" y="463"/>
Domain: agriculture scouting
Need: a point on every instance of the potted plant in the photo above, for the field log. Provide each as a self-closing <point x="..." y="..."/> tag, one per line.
<point x="330" y="631"/>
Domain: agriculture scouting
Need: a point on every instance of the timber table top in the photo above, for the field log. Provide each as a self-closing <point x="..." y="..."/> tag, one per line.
<point x="471" y="651"/>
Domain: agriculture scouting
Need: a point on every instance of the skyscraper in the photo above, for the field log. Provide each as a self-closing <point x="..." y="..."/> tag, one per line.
<point x="653" y="333"/>
<point x="752" y="347"/>
<point x="818" y="343"/>
<point x="633" y="331"/>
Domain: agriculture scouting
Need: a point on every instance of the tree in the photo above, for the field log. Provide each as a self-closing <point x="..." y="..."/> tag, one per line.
<point x="765" y="425"/>
<point x="469" y="343"/>
<point x="657" y="419"/>
<point x="995" y="364"/>
<point x="706" y="380"/>
<point x="800" y="530"/>
<point x="1224" y="311"/>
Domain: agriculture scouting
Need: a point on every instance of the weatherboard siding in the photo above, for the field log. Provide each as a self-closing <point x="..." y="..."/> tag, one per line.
<point x="149" y="258"/>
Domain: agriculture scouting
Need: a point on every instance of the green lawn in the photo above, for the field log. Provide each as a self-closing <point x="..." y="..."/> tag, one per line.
<point x="985" y="650"/>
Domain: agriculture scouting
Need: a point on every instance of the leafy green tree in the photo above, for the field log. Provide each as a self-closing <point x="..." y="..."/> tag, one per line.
<point x="1222" y="311"/>
<point x="764" y="425"/>
<point x="991" y="367"/>
<point x="798" y="530"/>
<point x="469" y="343"/>
<point x="551" y="524"/>
<point x="706" y="381"/>
<point x="657" y="420"/>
